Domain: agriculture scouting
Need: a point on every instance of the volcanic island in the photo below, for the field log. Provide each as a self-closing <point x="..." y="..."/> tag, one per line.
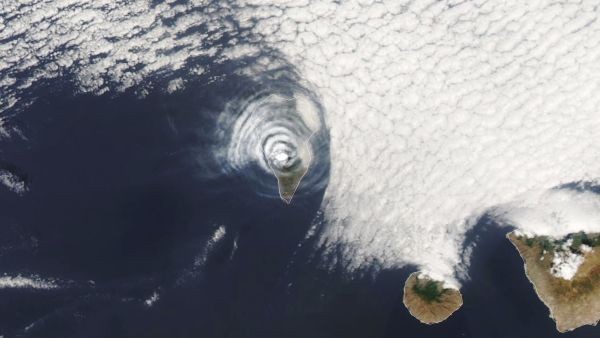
<point x="289" y="170"/>
<point x="565" y="273"/>
<point x="288" y="182"/>
<point x="429" y="300"/>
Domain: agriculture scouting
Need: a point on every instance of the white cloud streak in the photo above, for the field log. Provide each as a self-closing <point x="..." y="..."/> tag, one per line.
<point x="12" y="182"/>
<point x="23" y="282"/>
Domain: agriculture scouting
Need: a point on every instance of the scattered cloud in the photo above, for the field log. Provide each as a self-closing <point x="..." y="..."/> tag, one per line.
<point x="29" y="282"/>
<point x="440" y="112"/>
<point x="437" y="113"/>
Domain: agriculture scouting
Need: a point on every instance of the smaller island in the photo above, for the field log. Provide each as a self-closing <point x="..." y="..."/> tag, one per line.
<point x="289" y="165"/>
<point x="289" y="181"/>
<point x="429" y="300"/>
<point x="565" y="273"/>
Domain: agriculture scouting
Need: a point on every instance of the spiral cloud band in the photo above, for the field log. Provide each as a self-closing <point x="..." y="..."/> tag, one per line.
<point x="274" y="135"/>
<point x="440" y="110"/>
<point x="437" y="110"/>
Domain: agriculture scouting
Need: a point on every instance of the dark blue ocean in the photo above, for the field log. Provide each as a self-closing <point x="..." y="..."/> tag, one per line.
<point x="123" y="198"/>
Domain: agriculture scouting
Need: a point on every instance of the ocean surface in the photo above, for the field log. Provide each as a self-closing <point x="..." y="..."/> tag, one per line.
<point x="128" y="216"/>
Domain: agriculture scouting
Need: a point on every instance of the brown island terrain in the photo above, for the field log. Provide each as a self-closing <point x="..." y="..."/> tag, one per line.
<point x="290" y="176"/>
<point x="572" y="302"/>
<point x="427" y="299"/>
<point x="289" y="181"/>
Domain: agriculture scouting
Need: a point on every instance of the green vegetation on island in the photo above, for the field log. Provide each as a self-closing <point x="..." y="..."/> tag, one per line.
<point x="428" y="300"/>
<point x="573" y="300"/>
<point x="550" y="244"/>
<point x="429" y="290"/>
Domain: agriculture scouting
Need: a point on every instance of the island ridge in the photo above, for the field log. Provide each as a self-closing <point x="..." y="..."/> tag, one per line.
<point x="565" y="274"/>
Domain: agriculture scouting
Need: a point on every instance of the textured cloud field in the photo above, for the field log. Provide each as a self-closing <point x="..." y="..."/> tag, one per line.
<point x="438" y="111"/>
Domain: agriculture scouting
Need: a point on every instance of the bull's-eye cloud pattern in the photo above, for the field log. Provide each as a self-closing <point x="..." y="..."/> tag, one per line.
<point x="441" y="109"/>
<point x="438" y="110"/>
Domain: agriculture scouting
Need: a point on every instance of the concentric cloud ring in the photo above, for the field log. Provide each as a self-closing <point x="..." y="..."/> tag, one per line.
<point x="276" y="134"/>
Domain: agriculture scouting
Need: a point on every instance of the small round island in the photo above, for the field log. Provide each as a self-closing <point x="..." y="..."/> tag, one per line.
<point x="429" y="300"/>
